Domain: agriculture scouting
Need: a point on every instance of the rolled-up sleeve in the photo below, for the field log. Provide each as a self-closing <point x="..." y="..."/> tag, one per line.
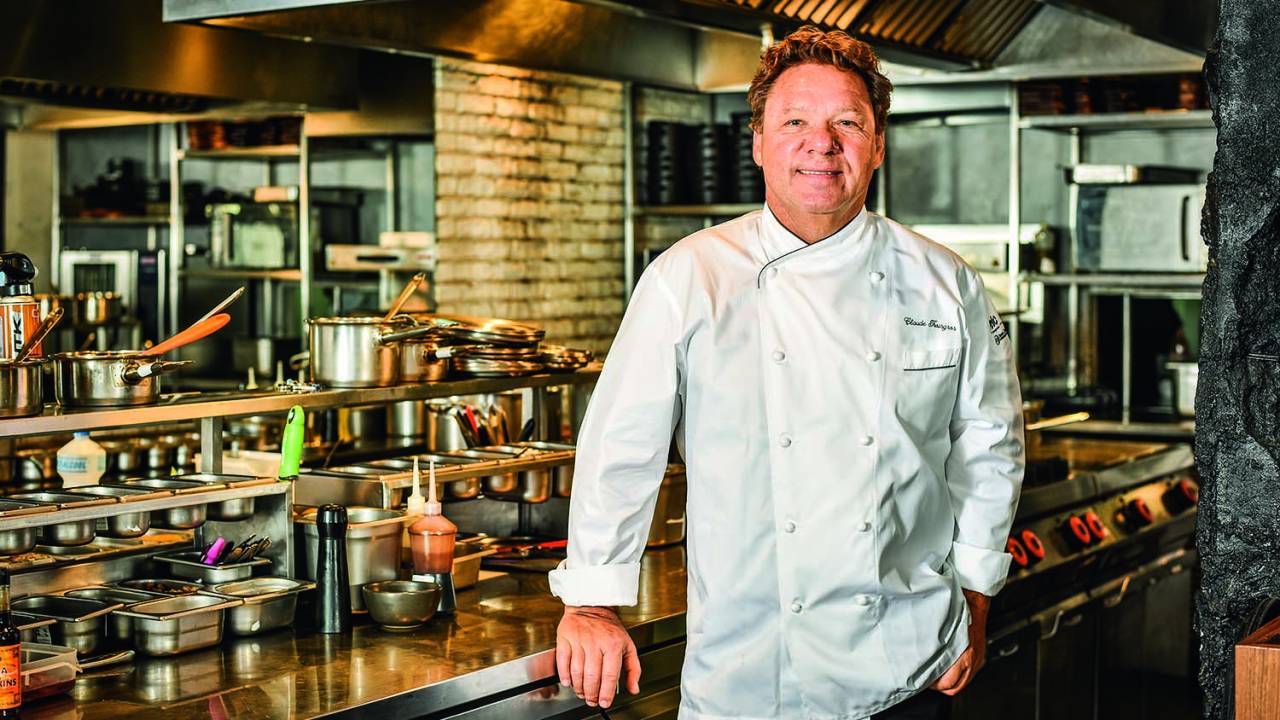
<point x="986" y="461"/>
<point x="622" y="452"/>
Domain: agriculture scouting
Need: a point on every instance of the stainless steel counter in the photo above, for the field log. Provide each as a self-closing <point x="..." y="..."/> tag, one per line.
<point x="494" y="658"/>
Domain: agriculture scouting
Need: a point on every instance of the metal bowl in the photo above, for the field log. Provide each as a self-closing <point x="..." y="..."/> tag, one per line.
<point x="400" y="605"/>
<point x="227" y="510"/>
<point x="18" y="540"/>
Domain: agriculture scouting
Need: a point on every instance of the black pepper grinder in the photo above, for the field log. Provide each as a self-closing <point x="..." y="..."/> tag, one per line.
<point x="333" y="589"/>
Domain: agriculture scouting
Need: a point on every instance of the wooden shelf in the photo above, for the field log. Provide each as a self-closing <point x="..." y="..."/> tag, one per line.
<point x="283" y="274"/>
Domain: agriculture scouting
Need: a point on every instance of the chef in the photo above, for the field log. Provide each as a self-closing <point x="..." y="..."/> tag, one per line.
<point x="844" y="396"/>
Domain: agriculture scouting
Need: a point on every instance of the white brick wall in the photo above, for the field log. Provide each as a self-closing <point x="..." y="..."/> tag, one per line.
<point x="529" y="199"/>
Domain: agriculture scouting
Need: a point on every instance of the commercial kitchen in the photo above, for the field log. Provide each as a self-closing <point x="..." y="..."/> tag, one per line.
<point x="387" y="246"/>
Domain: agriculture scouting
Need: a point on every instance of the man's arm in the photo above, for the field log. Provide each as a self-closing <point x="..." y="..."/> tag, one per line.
<point x="984" y="471"/>
<point x="985" y="465"/>
<point x="622" y="456"/>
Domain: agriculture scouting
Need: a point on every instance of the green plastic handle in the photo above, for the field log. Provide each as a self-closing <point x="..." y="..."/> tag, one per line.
<point x="291" y="443"/>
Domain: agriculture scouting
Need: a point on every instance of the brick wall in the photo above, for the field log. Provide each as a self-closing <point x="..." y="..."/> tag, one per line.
<point x="529" y="171"/>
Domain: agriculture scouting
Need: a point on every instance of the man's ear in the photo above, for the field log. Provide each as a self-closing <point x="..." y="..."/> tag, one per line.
<point x="757" y="150"/>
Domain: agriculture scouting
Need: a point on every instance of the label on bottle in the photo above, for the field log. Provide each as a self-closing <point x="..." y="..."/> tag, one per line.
<point x="10" y="677"/>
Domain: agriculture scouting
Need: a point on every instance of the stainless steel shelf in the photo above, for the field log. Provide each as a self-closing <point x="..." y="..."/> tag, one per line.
<point x="726" y="210"/>
<point x="1122" y="280"/>
<point x="194" y="406"/>
<point x="128" y="221"/>
<point x="1170" y="119"/>
<point x="114" y="507"/>
<point x="283" y="274"/>
<point x="1184" y="429"/>
<point x="242" y="153"/>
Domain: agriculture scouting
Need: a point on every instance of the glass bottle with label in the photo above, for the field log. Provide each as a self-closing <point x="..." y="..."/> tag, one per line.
<point x="10" y="656"/>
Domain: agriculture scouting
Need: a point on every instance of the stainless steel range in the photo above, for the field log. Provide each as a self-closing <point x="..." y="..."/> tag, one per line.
<point x="1095" y="620"/>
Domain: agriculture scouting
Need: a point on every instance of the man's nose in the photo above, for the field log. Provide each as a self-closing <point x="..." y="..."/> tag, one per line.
<point x="824" y="140"/>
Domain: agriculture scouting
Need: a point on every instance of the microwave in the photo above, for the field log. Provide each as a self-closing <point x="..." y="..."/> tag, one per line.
<point x="1140" y="228"/>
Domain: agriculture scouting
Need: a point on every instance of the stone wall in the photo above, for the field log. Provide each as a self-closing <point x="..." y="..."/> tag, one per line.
<point x="529" y="199"/>
<point x="1238" y="398"/>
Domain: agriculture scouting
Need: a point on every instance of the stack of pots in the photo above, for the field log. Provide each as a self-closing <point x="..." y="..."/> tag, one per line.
<point x="369" y="351"/>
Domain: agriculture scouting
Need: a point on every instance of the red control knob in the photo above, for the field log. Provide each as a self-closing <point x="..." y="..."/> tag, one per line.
<point x="1078" y="532"/>
<point x="1182" y="496"/>
<point x="1096" y="528"/>
<point x="1035" y="548"/>
<point x="1019" y="553"/>
<point x="1138" y="514"/>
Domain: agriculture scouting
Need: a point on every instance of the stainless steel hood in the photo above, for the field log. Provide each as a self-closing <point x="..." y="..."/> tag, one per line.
<point x="67" y="63"/>
<point x="712" y="44"/>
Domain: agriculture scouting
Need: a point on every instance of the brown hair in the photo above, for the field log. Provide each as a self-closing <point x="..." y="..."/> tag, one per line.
<point x="810" y="44"/>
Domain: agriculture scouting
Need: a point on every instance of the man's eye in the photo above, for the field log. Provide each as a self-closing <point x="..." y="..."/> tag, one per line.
<point x="794" y="122"/>
<point x="850" y="123"/>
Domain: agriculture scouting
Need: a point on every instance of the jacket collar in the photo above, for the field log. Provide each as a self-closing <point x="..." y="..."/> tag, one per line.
<point x="777" y="240"/>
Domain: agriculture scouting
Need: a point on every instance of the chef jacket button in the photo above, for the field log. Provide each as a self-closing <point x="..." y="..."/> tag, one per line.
<point x="866" y="440"/>
<point x="779" y="355"/>
<point x="864" y="600"/>
<point x="872" y="356"/>
<point x="864" y="526"/>
<point x="789" y="526"/>
<point x="876" y="276"/>
<point x="796" y="607"/>
<point x="784" y="440"/>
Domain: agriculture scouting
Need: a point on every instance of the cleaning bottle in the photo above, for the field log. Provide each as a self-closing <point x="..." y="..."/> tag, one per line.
<point x="81" y="462"/>
<point x="431" y="541"/>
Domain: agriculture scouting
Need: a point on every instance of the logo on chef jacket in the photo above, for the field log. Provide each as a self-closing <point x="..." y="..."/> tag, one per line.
<point x="998" y="331"/>
<point x="930" y="323"/>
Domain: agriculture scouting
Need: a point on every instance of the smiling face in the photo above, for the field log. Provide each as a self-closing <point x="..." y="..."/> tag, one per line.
<point x="819" y="145"/>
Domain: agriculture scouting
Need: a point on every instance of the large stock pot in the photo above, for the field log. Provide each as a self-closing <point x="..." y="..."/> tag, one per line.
<point x="364" y="351"/>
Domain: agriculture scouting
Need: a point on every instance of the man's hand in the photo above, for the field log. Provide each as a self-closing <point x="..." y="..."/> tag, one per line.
<point x="591" y="650"/>
<point x="962" y="671"/>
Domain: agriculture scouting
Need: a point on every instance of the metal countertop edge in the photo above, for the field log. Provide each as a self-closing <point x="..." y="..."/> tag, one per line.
<point x="498" y="682"/>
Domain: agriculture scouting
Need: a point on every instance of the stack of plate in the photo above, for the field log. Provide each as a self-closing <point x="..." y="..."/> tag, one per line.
<point x="496" y="361"/>
<point x="562" y="359"/>
<point x="748" y="182"/>
<point x="666" y="182"/>
<point x="483" y="331"/>
<point x="712" y="177"/>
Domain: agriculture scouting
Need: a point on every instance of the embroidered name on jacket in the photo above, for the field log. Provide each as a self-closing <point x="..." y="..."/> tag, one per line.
<point x="945" y="327"/>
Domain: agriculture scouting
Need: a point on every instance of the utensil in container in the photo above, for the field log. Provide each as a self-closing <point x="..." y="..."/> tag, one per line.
<point x="33" y="342"/>
<point x="186" y="564"/>
<point x="197" y="331"/>
<point x="414" y="283"/>
<point x="223" y="305"/>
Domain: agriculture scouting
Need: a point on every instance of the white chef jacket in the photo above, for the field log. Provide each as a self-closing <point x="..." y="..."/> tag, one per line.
<point x="851" y="424"/>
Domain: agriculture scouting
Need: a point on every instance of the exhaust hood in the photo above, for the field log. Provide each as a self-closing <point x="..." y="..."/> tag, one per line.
<point x="713" y="44"/>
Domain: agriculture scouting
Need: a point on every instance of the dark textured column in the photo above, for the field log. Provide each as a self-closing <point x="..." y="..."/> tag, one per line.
<point x="1238" y="400"/>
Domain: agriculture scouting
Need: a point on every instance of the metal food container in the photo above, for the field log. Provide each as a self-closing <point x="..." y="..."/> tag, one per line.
<point x="21" y="388"/>
<point x="95" y="308"/>
<point x="186" y="564"/>
<point x="20" y="540"/>
<point x="126" y="525"/>
<point x="170" y="626"/>
<point x="561" y="475"/>
<point x="181" y="518"/>
<point x="29" y="627"/>
<point x="78" y="621"/>
<point x="532" y="486"/>
<point x="269" y="603"/>
<point x="498" y="484"/>
<point x="467" y="489"/>
<point x="373" y="546"/>
<point x="466" y="564"/>
<point x="227" y="510"/>
<point x="669" y="511"/>
<point x="70" y="533"/>
<point x="1186" y="375"/>
<point x="119" y="627"/>
<point x="161" y="586"/>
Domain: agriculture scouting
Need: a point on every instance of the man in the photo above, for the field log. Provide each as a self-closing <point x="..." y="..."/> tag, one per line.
<point x="844" y="396"/>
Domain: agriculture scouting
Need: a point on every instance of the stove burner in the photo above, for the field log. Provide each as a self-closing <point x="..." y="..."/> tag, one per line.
<point x="1045" y="471"/>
